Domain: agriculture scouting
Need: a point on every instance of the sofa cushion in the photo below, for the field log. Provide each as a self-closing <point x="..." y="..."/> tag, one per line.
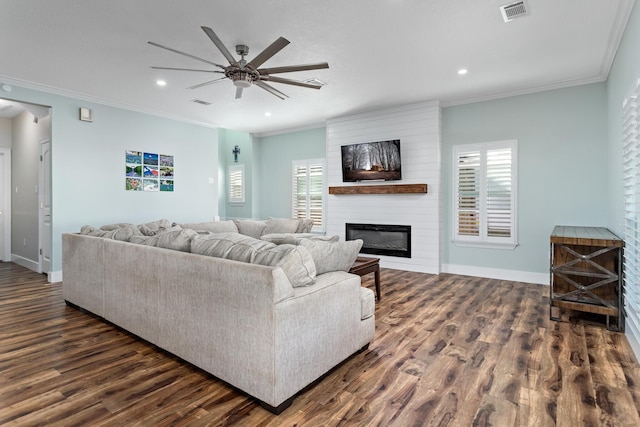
<point x="304" y="226"/>
<point x="178" y="240"/>
<point x="212" y="226"/>
<point x="124" y="233"/>
<point x="250" y="227"/>
<point x="281" y="225"/>
<point x="154" y="227"/>
<point x="294" y="238"/>
<point x="295" y="261"/>
<point x="233" y="246"/>
<point x="332" y="256"/>
<point x="109" y="227"/>
<point x="367" y="303"/>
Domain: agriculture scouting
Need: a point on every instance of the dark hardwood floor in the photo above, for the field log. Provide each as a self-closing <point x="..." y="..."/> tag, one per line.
<point x="449" y="351"/>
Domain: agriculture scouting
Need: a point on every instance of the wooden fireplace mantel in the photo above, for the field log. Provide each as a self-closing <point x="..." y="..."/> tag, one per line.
<point x="379" y="189"/>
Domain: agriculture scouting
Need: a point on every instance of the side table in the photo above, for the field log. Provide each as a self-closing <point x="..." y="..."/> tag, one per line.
<point x="366" y="265"/>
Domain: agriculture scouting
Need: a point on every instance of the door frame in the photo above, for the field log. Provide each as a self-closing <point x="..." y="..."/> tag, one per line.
<point x="42" y="190"/>
<point x="5" y="154"/>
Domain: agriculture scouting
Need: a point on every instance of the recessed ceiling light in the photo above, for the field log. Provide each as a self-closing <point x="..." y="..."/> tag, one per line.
<point x="268" y="114"/>
<point x="462" y="71"/>
<point x="161" y="83"/>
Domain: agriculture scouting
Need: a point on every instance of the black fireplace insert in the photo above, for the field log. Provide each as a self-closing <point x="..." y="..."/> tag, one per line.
<point x="381" y="239"/>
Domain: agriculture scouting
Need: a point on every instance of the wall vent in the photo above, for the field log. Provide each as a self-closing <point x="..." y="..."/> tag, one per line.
<point x="200" y="101"/>
<point x="514" y="10"/>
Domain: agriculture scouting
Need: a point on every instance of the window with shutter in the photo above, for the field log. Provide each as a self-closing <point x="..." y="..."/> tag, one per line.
<point x="485" y="195"/>
<point x="631" y="194"/>
<point x="236" y="184"/>
<point x="308" y="191"/>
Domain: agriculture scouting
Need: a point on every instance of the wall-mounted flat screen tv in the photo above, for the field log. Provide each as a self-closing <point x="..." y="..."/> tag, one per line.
<point x="378" y="160"/>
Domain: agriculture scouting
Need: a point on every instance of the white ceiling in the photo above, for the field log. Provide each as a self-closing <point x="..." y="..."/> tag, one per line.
<point x="380" y="52"/>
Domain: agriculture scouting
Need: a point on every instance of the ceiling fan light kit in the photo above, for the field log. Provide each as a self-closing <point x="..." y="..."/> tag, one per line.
<point x="244" y="74"/>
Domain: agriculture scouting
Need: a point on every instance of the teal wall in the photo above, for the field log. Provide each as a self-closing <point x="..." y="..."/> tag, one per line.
<point x="88" y="166"/>
<point x="562" y="168"/>
<point x="228" y="140"/>
<point x="277" y="153"/>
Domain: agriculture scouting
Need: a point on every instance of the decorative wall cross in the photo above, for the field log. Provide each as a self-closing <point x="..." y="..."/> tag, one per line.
<point x="236" y="151"/>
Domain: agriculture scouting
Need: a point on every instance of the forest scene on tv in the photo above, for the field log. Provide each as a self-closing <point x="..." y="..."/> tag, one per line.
<point x="371" y="161"/>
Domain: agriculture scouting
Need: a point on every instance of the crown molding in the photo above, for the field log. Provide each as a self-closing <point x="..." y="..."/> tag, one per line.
<point x="527" y="91"/>
<point x="97" y="100"/>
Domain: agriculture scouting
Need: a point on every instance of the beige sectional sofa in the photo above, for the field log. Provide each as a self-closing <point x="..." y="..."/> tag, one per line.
<point x="244" y="322"/>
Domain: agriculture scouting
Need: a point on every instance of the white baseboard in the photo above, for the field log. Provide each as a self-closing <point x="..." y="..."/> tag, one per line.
<point x="27" y="263"/>
<point x="496" y="273"/>
<point x="54" y="276"/>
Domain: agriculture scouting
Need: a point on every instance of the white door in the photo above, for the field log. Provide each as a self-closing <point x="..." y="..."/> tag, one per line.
<point x="45" y="205"/>
<point x="5" y="204"/>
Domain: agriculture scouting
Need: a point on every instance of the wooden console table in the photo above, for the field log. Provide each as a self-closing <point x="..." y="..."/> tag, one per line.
<point x="366" y="265"/>
<point x="586" y="273"/>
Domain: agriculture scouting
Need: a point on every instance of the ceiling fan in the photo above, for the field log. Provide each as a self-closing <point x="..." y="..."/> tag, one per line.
<point x="243" y="74"/>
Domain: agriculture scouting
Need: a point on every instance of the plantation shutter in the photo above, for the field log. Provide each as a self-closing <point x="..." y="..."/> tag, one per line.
<point x="308" y="191"/>
<point x="485" y="199"/>
<point x="499" y="209"/>
<point x="468" y="194"/>
<point x="631" y="194"/>
<point x="236" y="184"/>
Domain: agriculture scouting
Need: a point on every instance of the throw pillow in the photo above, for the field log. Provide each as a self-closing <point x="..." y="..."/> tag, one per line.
<point x="233" y="246"/>
<point x="125" y="233"/>
<point x="332" y="256"/>
<point x="304" y="226"/>
<point x="178" y="240"/>
<point x="154" y="227"/>
<point x="281" y="225"/>
<point x="250" y="227"/>
<point x="86" y="229"/>
<point x="117" y="226"/>
<point x="295" y="261"/>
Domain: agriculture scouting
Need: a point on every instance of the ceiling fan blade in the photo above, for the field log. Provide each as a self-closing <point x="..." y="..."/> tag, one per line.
<point x="292" y="68"/>
<point x="270" y="89"/>
<point x="210" y="82"/>
<point x="238" y="92"/>
<point x="289" y="82"/>
<point x="271" y="50"/>
<point x="221" y="47"/>
<point x="185" y="54"/>
<point x="187" y="69"/>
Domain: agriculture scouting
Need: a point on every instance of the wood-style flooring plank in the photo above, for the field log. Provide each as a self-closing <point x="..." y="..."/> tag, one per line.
<point x="448" y="351"/>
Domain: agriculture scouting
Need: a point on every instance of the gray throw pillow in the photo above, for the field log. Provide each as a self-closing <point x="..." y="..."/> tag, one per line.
<point x="295" y="261"/>
<point x="304" y="226"/>
<point x="332" y="256"/>
<point x="237" y="247"/>
<point x="281" y="225"/>
<point x="178" y="240"/>
<point x="117" y="226"/>
<point x="154" y="227"/>
<point x="250" y="227"/>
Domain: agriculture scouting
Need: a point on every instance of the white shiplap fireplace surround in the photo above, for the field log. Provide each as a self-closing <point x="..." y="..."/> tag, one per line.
<point x="417" y="126"/>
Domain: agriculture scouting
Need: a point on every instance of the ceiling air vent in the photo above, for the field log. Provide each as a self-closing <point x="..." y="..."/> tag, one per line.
<point x="514" y="10"/>
<point x="200" y="101"/>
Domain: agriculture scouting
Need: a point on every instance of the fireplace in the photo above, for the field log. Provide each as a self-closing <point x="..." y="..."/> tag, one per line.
<point x="379" y="239"/>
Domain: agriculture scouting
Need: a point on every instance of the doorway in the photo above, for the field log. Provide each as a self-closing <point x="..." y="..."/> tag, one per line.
<point x="25" y="184"/>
